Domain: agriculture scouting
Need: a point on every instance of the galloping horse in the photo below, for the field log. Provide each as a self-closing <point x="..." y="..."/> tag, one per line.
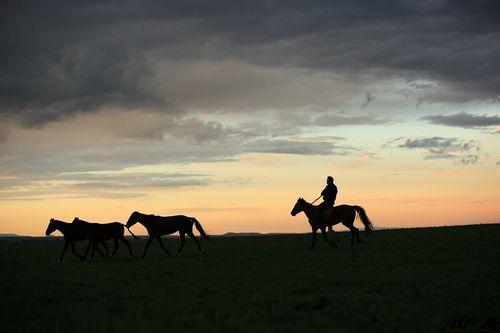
<point x="342" y="213"/>
<point x="103" y="232"/>
<point x="73" y="233"/>
<point x="166" y="225"/>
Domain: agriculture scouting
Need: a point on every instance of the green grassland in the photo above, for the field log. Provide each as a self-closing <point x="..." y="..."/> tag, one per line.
<point x="412" y="280"/>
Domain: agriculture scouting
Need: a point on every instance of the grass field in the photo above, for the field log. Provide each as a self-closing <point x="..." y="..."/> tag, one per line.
<point x="412" y="280"/>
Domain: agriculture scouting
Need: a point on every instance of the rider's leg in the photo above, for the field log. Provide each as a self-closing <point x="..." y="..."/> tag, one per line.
<point x="318" y="217"/>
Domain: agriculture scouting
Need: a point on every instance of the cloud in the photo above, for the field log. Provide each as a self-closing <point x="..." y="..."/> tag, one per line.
<point x="368" y="98"/>
<point x="61" y="59"/>
<point x="464" y="119"/>
<point x="282" y="146"/>
<point x="200" y="132"/>
<point x="4" y="131"/>
<point x="463" y="152"/>
<point x="101" y="185"/>
<point x="340" y="120"/>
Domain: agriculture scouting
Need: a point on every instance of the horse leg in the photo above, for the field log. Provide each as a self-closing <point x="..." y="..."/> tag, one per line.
<point x="357" y="236"/>
<point x="105" y="246"/>
<point x="116" y="246"/>
<point x="193" y="237"/>
<point x="75" y="253"/>
<point x="150" y="240"/>
<point x="314" y="232"/>
<point x="127" y="243"/>
<point x="95" y="246"/>
<point x="182" y="237"/>
<point x="325" y="237"/>
<point x="163" y="247"/>
<point x="332" y="232"/>
<point x="354" y="234"/>
<point x="86" y="251"/>
<point x="66" y="244"/>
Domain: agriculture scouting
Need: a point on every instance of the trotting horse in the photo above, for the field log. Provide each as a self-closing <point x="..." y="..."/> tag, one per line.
<point x="166" y="225"/>
<point x="73" y="233"/>
<point x="105" y="231"/>
<point x="342" y="213"/>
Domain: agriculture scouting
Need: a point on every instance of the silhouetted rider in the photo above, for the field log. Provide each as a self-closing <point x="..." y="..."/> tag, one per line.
<point x="329" y="195"/>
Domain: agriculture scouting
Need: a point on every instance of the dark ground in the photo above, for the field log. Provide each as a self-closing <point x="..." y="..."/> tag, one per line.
<point x="413" y="280"/>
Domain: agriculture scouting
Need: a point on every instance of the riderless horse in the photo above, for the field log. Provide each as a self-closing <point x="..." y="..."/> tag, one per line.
<point x="166" y="225"/>
<point x="344" y="214"/>
<point x="73" y="233"/>
<point x="105" y="231"/>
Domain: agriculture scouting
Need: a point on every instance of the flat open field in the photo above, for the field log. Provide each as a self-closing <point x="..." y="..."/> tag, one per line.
<point x="413" y="280"/>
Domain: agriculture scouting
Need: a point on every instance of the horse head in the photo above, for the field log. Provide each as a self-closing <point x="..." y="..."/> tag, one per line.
<point x="51" y="227"/>
<point x="133" y="219"/>
<point x="299" y="207"/>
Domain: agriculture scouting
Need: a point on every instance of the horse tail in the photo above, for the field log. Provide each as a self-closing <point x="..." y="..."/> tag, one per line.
<point x="200" y="229"/>
<point x="365" y="219"/>
<point x="135" y="237"/>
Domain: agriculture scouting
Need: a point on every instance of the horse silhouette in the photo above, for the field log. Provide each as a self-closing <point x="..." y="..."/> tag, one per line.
<point x="106" y="231"/>
<point x="73" y="233"/>
<point x="342" y="213"/>
<point x="166" y="225"/>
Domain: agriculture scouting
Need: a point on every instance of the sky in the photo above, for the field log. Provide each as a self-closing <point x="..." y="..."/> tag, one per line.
<point x="229" y="111"/>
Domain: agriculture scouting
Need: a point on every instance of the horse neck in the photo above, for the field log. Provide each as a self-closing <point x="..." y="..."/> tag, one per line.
<point x="144" y="220"/>
<point x="62" y="226"/>
<point x="309" y="210"/>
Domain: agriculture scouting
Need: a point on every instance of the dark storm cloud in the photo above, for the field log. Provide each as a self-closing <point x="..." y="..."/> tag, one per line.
<point x="463" y="119"/>
<point x="460" y="151"/>
<point x="58" y="58"/>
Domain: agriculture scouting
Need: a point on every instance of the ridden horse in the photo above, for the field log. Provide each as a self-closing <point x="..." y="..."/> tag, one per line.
<point x="342" y="213"/>
<point x="166" y="225"/>
<point x="72" y="233"/>
<point x="105" y="231"/>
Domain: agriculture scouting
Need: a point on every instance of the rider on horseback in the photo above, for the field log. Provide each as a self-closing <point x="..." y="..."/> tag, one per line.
<point x="329" y="195"/>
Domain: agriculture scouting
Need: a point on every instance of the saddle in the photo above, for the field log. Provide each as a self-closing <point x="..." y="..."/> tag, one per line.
<point x="327" y="214"/>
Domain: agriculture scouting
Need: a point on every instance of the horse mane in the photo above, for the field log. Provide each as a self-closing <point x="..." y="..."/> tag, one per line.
<point x="58" y="221"/>
<point x="80" y="220"/>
